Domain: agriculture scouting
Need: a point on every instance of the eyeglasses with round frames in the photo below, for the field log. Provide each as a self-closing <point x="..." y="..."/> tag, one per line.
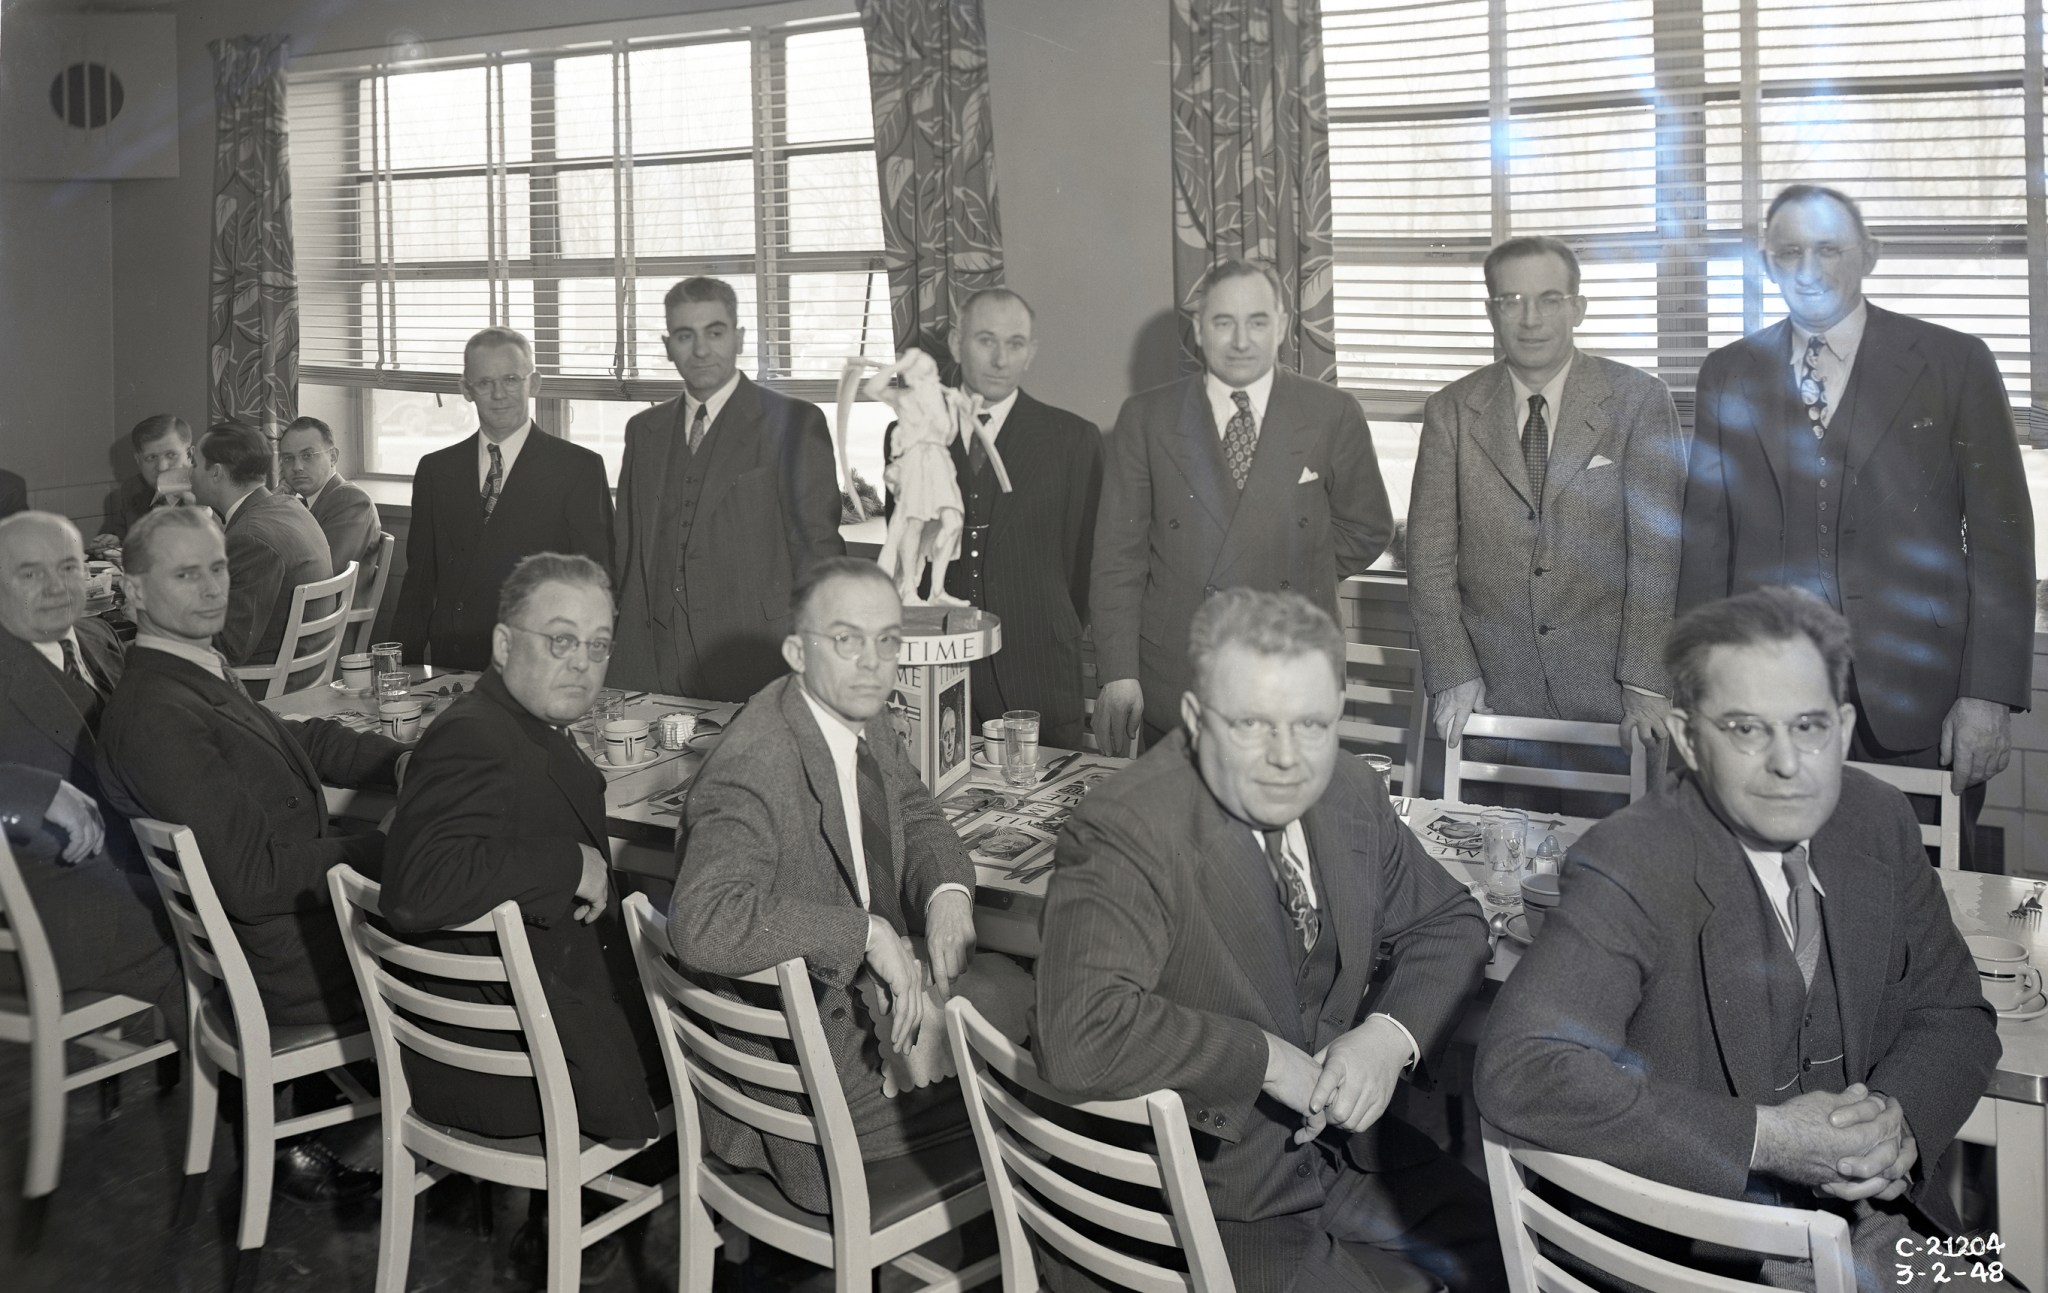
<point x="304" y="457"/>
<point x="848" y="645"/>
<point x="561" y="644"/>
<point x="1548" y="305"/>
<point x="1259" y="733"/>
<point x="1809" y="733"/>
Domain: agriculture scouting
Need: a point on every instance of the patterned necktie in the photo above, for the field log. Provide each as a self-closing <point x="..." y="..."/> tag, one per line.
<point x="1294" y="889"/>
<point x="1536" y="449"/>
<point x="977" y="454"/>
<point x="698" y="425"/>
<point x="1805" y="913"/>
<point x="74" y="669"/>
<point x="494" y="480"/>
<point x="883" y="897"/>
<point x="1813" y="390"/>
<point x="1240" y="438"/>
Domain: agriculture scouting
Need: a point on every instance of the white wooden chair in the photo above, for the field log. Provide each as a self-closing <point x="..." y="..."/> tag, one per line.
<point x="1946" y="836"/>
<point x="1458" y="769"/>
<point x="1023" y="1148"/>
<point x="371" y="580"/>
<point x="231" y="1033"/>
<point x="1819" y="1237"/>
<point x="302" y="628"/>
<point x="47" y="1019"/>
<point x="873" y="1224"/>
<point x="561" y="1160"/>
<point x="1409" y="698"/>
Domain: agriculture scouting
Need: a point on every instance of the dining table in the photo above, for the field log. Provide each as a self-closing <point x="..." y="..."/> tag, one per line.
<point x="1011" y="831"/>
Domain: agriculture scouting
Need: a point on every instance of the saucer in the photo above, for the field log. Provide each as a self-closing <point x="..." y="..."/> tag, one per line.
<point x="1517" y="928"/>
<point x="647" y="756"/>
<point x="703" y="741"/>
<point x="341" y="684"/>
<point x="2033" y="1008"/>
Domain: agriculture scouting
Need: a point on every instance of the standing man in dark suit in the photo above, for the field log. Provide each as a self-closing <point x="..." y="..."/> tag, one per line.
<point x="1024" y="555"/>
<point x="310" y="461"/>
<point x="808" y="833"/>
<point x="1870" y="458"/>
<point x="726" y="496"/>
<point x="274" y="545"/>
<point x="1212" y="926"/>
<point x="184" y="743"/>
<point x="1543" y="526"/>
<point x="1753" y="987"/>
<point x="13" y="494"/>
<point x="1244" y="475"/>
<point x="57" y="667"/>
<point x="475" y="513"/>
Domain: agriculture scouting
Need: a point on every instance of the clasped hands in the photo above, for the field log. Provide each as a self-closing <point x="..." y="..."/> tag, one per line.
<point x="949" y="938"/>
<point x="1347" y="1084"/>
<point x="1852" y="1144"/>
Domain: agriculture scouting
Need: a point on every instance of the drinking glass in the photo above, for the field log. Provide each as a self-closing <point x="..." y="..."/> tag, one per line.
<point x="1504" y="830"/>
<point x="393" y="684"/>
<point x="1020" y="747"/>
<point x="390" y="656"/>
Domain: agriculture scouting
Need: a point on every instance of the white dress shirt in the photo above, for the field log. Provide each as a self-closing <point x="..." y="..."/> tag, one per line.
<point x="998" y="413"/>
<point x="1553" y="398"/>
<point x="229" y="517"/>
<point x="1837" y="358"/>
<point x="53" y="651"/>
<point x="713" y="406"/>
<point x="508" y="452"/>
<point x="1223" y="408"/>
<point x="1769" y="866"/>
<point x="204" y="656"/>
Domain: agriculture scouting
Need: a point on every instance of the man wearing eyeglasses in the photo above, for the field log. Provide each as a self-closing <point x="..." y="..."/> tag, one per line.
<point x="487" y="500"/>
<point x="310" y="463"/>
<point x="1543" y="530"/>
<point x="808" y="833"/>
<point x="1212" y="926"/>
<point x="1871" y="459"/>
<point x="1753" y="986"/>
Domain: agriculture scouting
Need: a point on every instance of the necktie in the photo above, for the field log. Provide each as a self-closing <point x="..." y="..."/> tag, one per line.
<point x="1536" y="449"/>
<point x="74" y="669"/>
<point x="1294" y="890"/>
<point x="494" y="480"/>
<point x="977" y="454"/>
<point x="883" y="897"/>
<point x="1813" y="390"/>
<point x="1240" y="438"/>
<point x="698" y="426"/>
<point x="1805" y="913"/>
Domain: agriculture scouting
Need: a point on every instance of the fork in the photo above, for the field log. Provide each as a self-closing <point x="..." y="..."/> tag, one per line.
<point x="2029" y="908"/>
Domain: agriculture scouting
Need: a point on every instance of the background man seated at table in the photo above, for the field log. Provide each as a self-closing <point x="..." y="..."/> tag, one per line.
<point x="182" y="742"/>
<point x="1753" y="986"/>
<point x="758" y="882"/>
<point x="160" y="442"/>
<point x="500" y="803"/>
<point x="310" y="463"/>
<point x="1211" y="926"/>
<point x="97" y="903"/>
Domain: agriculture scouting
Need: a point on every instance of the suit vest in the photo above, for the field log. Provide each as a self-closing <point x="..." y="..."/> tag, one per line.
<point x="1806" y="1023"/>
<point x="682" y="492"/>
<point x="1815" y="469"/>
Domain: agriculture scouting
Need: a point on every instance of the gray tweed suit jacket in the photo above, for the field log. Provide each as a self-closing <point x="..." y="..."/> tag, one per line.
<point x="1555" y="608"/>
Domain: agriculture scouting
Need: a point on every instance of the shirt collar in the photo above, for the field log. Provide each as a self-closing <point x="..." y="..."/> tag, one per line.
<point x="1771" y="862"/>
<point x="712" y="406"/>
<point x="508" y="448"/>
<point x="204" y="656"/>
<point x="1260" y="391"/>
<point x="842" y="740"/>
<point x="999" y="412"/>
<point x="1842" y="339"/>
<point x="53" y="650"/>
<point x="314" y="497"/>
<point x="236" y="506"/>
<point x="1552" y="391"/>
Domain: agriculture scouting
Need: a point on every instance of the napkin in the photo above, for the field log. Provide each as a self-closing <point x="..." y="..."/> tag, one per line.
<point x="999" y="988"/>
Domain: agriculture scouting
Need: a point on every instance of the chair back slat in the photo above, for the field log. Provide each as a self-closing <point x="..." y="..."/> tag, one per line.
<point x="718" y="1058"/>
<point x="371" y="581"/>
<point x="474" y="1059"/>
<point x="1605" y="1253"/>
<point x="1386" y="712"/>
<point x="1142" y="1224"/>
<point x="423" y="960"/>
<point x="208" y="948"/>
<point x="1121" y="1269"/>
<point x="1126" y="1165"/>
<point x="1945" y="836"/>
<point x="741" y="1107"/>
<point x="1458" y="769"/>
<point x="299" y="652"/>
<point x="756" y="1021"/>
<point x="446" y="1010"/>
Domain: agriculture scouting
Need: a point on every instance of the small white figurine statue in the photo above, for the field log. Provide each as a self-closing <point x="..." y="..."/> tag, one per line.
<point x="925" y="529"/>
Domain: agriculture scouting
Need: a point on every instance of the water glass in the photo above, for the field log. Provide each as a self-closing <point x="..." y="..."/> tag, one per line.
<point x="1020" y="747"/>
<point x="394" y="684"/>
<point x="1504" y="831"/>
<point x="390" y="656"/>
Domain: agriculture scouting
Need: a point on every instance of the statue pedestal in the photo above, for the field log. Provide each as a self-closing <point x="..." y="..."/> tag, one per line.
<point x="931" y="705"/>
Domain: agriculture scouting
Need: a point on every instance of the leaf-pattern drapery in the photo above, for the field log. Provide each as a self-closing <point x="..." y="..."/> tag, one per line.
<point x="935" y="157"/>
<point x="253" y="349"/>
<point x="1251" y="159"/>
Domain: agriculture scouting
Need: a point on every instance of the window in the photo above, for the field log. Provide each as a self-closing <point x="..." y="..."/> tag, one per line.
<point x="559" y="183"/>
<point x="1650" y="134"/>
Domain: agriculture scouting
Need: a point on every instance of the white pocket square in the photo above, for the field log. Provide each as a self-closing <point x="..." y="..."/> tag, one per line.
<point x="1307" y="474"/>
<point x="1600" y="460"/>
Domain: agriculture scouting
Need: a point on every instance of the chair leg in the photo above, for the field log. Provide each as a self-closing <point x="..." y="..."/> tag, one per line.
<point x="46" y="1115"/>
<point x="486" y="1196"/>
<point x="202" y="1108"/>
<point x="248" y="1270"/>
<point x="35" y="1212"/>
<point x="394" y="1234"/>
<point x="110" y="1098"/>
<point x="565" y="1238"/>
<point x="700" y="1249"/>
<point x="259" y="1159"/>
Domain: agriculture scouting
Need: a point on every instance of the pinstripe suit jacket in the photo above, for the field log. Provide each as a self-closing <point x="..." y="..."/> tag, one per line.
<point x="1155" y="974"/>
<point x="1554" y="609"/>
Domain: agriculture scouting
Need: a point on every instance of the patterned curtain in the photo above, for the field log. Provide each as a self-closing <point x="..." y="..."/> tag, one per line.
<point x="1251" y="159"/>
<point x="253" y="351"/>
<point x="935" y="154"/>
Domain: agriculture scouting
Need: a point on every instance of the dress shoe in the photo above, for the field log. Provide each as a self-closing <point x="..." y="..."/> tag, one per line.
<point x="308" y="1172"/>
<point x="530" y="1254"/>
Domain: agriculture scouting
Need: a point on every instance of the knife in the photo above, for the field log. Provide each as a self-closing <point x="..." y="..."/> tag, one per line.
<point x="1052" y="769"/>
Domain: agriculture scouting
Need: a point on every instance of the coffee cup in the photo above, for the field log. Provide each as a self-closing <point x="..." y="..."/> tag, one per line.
<point x="359" y="672"/>
<point x="625" y="739"/>
<point x="2003" y="972"/>
<point x="992" y="741"/>
<point x="400" y="719"/>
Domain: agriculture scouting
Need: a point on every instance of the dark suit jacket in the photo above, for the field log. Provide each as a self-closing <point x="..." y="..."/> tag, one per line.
<point x="106" y="926"/>
<point x="349" y="520"/>
<point x="495" y="804"/>
<point x="1637" y="1031"/>
<point x="1034" y="565"/>
<point x="183" y="746"/>
<point x="1932" y="448"/>
<point x="765" y="872"/>
<point x="13" y="494"/>
<point x="1557" y="610"/>
<point x="769" y="507"/>
<point x="130" y="501"/>
<point x="274" y="545"/>
<point x="1173" y="528"/>
<point x="555" y="499"/>
<point x="1149" y="978"/>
